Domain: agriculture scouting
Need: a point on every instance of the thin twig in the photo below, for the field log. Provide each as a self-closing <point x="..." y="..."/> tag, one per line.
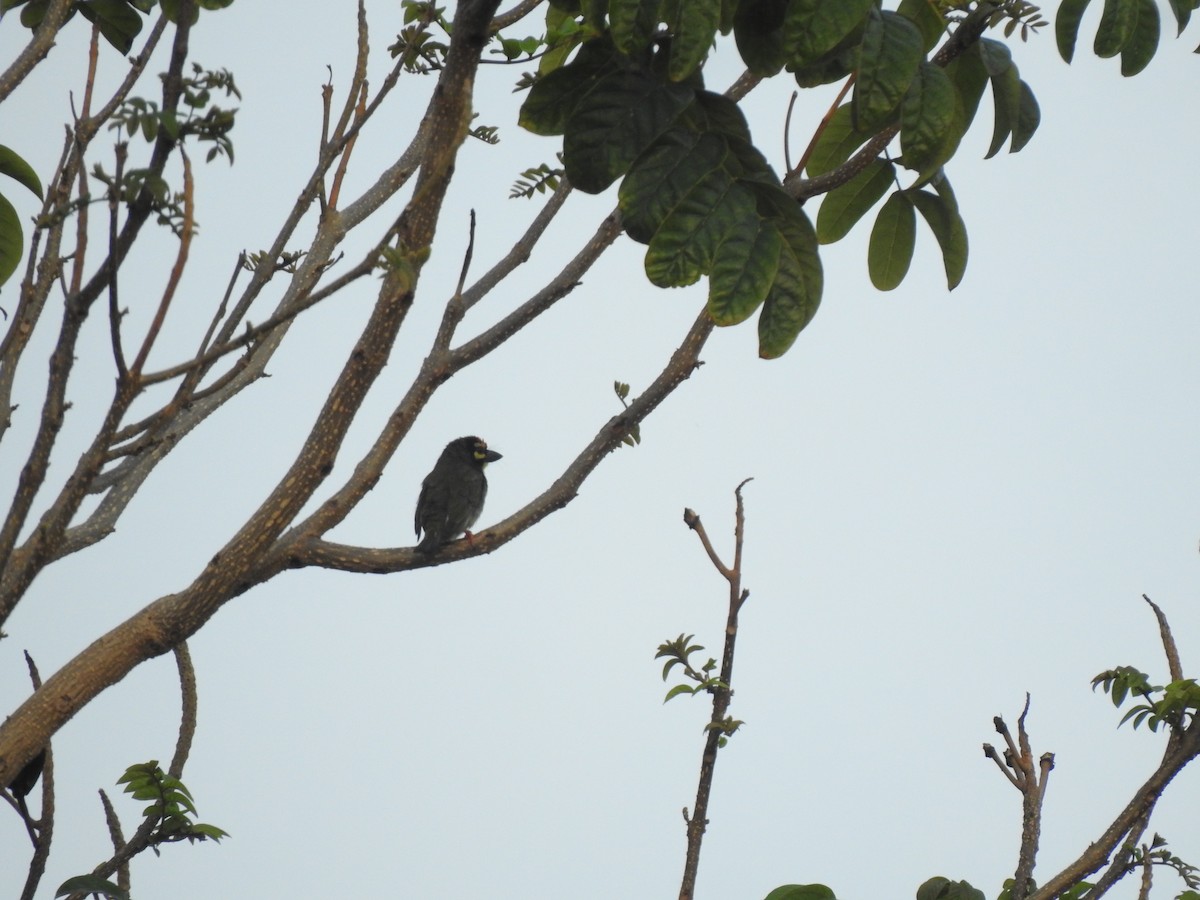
<point x="1174" y="666"/>
<point x="718" y="726"/>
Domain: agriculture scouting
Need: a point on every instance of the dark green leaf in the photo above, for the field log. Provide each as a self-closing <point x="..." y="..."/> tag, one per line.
<point x="1066" y="26"/>
<point x="663" y="176"/>
<point x="554" y="97"/>
<point x="928" y="19"/>
<point x="91" y="884"/>
<point x="14" y="166"/>
<point x="813" y="28"/>
<point x="1006" y="92"/>
<point x="615" y="122"/>
<point x="758" y="31"/>
<point x="997" y="58"/>
<point x="685" y="244"/>
<point x="836" y="142"/>
<point x="842" y="207"/>
<point x="801" y="892"/>
<point x="12" y="239"/>
<point x="1116" y="27"/>
<point x="696" y="28"/>
<point x="742" y="272"/>
<point x="890" y="53"/>
<point x="892" y="242"/>
<point x="33" y="13"/>
<point x="795" y="293"/>
<point x="631" y="23"/>
<point x="1183" y="12"/>
<point x="1143" y="42"/>
<point x="970" y="77"/>
<point x="927" y="118"/>
<point x="826" y="70"/>
<point x="1028" y="117"/>
<point x="947" y="226"/>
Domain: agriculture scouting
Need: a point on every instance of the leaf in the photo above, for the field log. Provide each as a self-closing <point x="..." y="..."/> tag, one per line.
<point x="927" y="17"/>
<point x="927" y="118"/>
<point x="1183" y="12"/>
<point x="695" y="31"/>
<point x="742" y="273"/>
<point x="801" y="892"/>
<point x="836" y="142"/>
<point x="795" y="293"/>
<point x="1116" y="27"/>
<point x="890" y="53"/>
<point x="948" y="228"/>
<point x="14" y="166"/>
<point x="1143" y="41"/>
<point x="91" y="884"/>
<point x="555" y="96"/>
<point x="970" y="77"/>
<point x="813" y="28"/>
<point x="118" y="22"/>
<point x="12" y="239"/>
<point x="892" y="241"/>
<point x="1066" y="26"/>
<point x="842" y="207"/>
<point x="1029" y="116"/>
<point x="631" y="24"/>
<point x="614" y="123"/>
<point x="685" y="244"/>
<point x="677" y="690"/>
<point x="664" y="175"/>
<point x="758" y="32"/>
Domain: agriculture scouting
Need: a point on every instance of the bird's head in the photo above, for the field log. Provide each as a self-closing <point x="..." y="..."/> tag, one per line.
<point x="475" y="449"/>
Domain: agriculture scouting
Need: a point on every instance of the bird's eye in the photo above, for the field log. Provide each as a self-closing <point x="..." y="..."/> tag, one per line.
<point x="480" y="454"/>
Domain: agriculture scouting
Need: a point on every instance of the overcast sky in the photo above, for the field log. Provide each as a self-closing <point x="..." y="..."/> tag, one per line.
<point x="957" y="498"/>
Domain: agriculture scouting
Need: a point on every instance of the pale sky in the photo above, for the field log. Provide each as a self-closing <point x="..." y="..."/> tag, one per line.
<point x="957" y="498"/>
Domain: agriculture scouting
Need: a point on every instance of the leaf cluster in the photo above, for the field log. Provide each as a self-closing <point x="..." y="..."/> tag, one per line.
<point x="170" y="804"/>
<point x="678" y="652"/>
<point x="1128" y="28"/>
<point x="1175" y="704"/>
<point x="119" y="21"/>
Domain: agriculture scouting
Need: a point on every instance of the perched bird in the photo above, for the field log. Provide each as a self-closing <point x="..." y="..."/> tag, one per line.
<point x="452" y="494"/>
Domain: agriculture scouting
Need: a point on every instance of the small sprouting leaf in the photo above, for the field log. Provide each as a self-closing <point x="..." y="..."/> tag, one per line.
<point x="679" y="689"/>
<point x="892" y="241"/>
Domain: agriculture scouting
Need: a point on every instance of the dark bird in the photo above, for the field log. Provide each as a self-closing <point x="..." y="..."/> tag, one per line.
<point x="452" y="494"/>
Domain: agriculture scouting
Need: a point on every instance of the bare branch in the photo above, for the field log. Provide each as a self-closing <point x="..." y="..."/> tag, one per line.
<point x="1174" y="666"/>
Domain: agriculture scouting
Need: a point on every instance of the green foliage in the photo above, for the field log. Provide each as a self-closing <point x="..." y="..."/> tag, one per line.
<point x="1128" y="28"/>
<point x="1158" y="854"/>
<point x="170" y="805"/>
<point x="201" y="119"/>
<point x="621" y="389"/>
<point x="12" y="236"/>
<point x="801" y="892"/>
<point x="119" y="21"/>
<point x="540" y="178"/>
<point x="678" y="653"/>
<point x="1174" y="705"/>
<point x="939" y="888"/>
<point x="91" y="884"/>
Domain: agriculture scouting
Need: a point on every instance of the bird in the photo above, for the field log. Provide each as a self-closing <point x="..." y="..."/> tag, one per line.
<point x="452" y="494"/>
